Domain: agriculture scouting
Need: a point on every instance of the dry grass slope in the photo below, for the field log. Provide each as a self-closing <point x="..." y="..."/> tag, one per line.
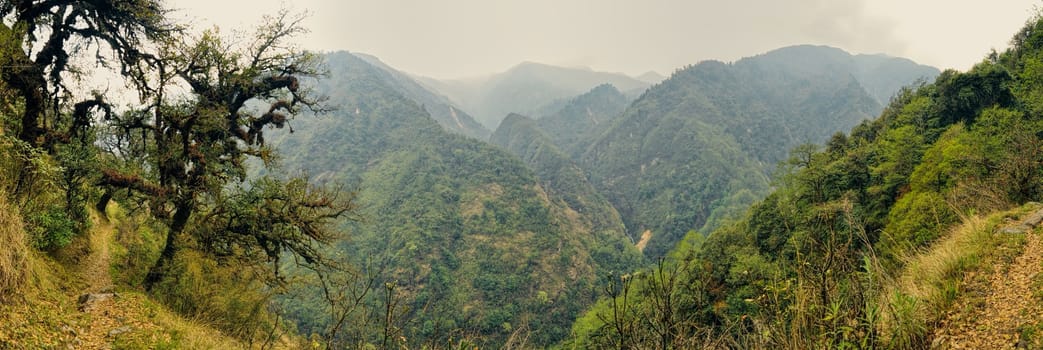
<point x="935" y="280"/>
<point x="44" y="313"/>
<point x="14" y="255"/>
<point x="999" y="306"/>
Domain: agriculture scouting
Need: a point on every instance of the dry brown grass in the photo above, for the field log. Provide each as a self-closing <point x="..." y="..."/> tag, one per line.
<point x="930" y="281"/>
<point x="14" y="255"/>
<point x="44" y="313"/>
<point x="925" y="272"/>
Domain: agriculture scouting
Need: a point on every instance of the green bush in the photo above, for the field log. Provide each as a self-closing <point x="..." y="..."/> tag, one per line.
<point x="51" y="229"/>
<point x="917" y="220"/>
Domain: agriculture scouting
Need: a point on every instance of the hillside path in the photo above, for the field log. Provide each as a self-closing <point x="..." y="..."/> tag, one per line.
<point x="1009" y="302"/>
<point x="96" y="266"/>
<point x="106" y="318"/>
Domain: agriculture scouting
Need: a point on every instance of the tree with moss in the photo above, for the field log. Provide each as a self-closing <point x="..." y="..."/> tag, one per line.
<point x="186" y="155"/>
<point x="48" y="33"/>
<point x="44" y="45"/>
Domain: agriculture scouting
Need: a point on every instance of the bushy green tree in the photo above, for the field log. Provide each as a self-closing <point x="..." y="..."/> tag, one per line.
<point x="180" y="154"/>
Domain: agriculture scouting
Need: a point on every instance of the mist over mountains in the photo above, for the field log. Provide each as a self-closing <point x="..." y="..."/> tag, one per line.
<point x="469" y="233"/>
<point x="603" y="167"/>
<point x="527" y="88"/>
<point x="258" y="194"/>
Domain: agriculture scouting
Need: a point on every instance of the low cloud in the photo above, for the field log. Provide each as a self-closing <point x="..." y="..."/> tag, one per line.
<point x="454" y="38"/>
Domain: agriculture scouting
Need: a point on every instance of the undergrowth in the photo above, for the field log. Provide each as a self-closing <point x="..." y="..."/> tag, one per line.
<point x="933" y="278"/>
<point x="39" y="309"/>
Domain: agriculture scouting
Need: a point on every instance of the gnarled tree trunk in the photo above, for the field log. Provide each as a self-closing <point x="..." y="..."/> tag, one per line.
<point x="177" y="227"/>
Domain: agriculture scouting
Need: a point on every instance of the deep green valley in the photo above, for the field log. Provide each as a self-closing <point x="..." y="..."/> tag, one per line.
<point x="255" y="194"/>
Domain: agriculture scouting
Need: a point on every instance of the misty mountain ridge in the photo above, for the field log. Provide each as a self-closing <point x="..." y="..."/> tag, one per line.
<point x="260" y="194"/>
<point x="444" y="111"/>
<point x="469" y="233"/>
<point x="749" y="112"/>
<point x="531" y="88"/>
<point x="651" y="77"/>
<point x="526" y="88"/>
<point x="698" y="147"/>
<point x="879" y="74"/>
<point x="598" y="177"/>
<point x="572" y="124"/>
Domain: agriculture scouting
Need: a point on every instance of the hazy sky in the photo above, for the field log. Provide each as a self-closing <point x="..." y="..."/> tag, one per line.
<point x="461" y="38"/>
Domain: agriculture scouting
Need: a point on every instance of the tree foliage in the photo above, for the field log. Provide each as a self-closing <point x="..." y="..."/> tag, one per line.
<point x="49" y="33"/>
<point x="185" y="150"/>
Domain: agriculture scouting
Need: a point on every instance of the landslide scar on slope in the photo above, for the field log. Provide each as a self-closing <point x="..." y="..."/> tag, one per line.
<point x="645" y="237"/>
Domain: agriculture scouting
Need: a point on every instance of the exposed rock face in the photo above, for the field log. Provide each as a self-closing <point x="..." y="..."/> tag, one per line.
<point x="1026" y="225"/>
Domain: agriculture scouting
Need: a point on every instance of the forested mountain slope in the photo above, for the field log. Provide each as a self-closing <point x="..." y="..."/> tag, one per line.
<point x="868" y="241"/>
<point x="447" y="114"/>
<point x="475" y="244"/>
<point x="573" y="125"/>
<point x="229" y="192"/>
<point x="883" y="76"/>
<point x="561" y="177"/>
<point x="701" y="145"/>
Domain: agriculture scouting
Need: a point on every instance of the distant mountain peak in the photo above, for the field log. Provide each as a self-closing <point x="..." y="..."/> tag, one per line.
<point x="606" y="87"/>
<point x="528" y="88"/>
<point x="808" y="48"/>
<point x="721" y="119"/>
<point x="530" y="65"/>
<point x="346" y="66"/>
<point x="515" y="117"/>
<point x="879" y="74"/>
<point x="651" y="77"/>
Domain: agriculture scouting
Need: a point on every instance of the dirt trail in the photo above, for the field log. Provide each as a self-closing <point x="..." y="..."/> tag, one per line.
<point x="1005" y="301"/>
<point x="72" y="305"/>
<point x="96" y="265"/>
<point x="97" y="299"/>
